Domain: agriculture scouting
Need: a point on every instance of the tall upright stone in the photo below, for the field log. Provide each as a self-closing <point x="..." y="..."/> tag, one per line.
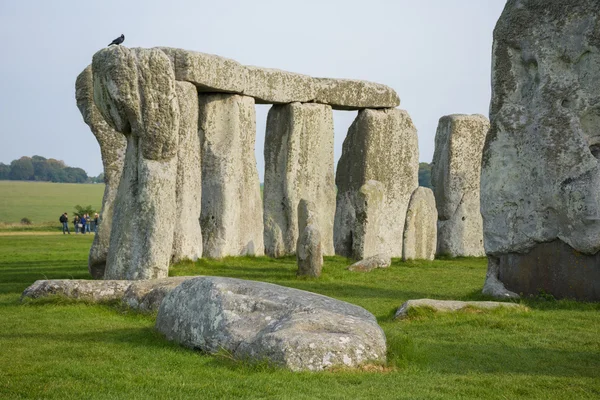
<point x="112" y="149"/>
<point x="135" y="92"/>
<point x="298" y="165"/>
<point x="376" y="176"/>
<point x="187" y="236"/>
<point x="455" y="174"/>
<point x="309" y="248"/>
<point x="420" y="230"/>
<point x="540" y="181"/>
<point x="232" y="214"/>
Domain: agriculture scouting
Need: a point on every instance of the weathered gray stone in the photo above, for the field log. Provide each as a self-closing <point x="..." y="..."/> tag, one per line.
<point x="298" y="164"/>
<point x="540" y="182"/>
<point x="370" y="263"/>
<point x="261" y="321"/>
<point x="135" y="91"/>
<point x="420" y="229"/>
<point x="215" y="74"/>
<point x="187" y="236"/>
<point x="273" y="86"/>
<point x="351" y="94"/>
<point x="144" y="295"/>
<point x="208" y="72"/>
<point x="455" y="174"/>
<point x="112" y="149"/>
<point x="309" y="249"/>
<point x="452" y="306"/>
<point x="232" y="215"/>
<point x="382" y="146"/>
<point x="78" y="289"/>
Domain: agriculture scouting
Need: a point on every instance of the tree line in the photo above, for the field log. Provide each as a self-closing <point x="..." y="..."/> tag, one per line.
<point x="38" y="168"/>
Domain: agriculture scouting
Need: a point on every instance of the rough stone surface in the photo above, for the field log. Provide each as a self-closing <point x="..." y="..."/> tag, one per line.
<point x="540" y="180"/>
<point x="215" y="74"/>
<point x="144" y="295"/>
<point x="273" y="86"/>
<point x="232" y="215"/>
<point x="134" y="90"/>
<point x="455" y="174"/>
<point x="112" y="149"/>
<point x="187" y="235"/>
<point x="78" y="289"/>
<point x="309" y="249"/>
<point x="208" y="72"/>
<point x="370" y="263"/>
<point x="451" y="305"/>
<point x="350" y="94"/>
<point x="381" y="146"/>
<point x="298" y="164"/>
<point x="261" y="321"/>
<point x="420" y="229"/>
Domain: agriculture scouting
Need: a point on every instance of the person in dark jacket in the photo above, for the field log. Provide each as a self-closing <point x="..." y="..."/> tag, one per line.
<point x="96" y="217"/>
<point x="64" y="219"/>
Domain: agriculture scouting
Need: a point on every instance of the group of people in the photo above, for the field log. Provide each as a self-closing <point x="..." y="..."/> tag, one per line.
<point x="81" y="224"/>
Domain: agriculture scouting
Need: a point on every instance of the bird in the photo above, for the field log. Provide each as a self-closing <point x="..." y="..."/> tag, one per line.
<point x="118" y="40"/>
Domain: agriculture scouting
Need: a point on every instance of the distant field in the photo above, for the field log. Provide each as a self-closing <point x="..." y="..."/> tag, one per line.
<point x="44" y="201"/>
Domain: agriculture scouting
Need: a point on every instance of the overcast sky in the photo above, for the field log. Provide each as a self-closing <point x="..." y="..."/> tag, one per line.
<point x="434" y="53"/>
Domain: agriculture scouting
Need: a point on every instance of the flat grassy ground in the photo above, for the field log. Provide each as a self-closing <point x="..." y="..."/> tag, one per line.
<point x="65" y="350"/>
<point x="44" y="202"/>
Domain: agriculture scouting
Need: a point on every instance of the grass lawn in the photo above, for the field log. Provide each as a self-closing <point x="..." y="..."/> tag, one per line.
<point x="65" y="350"/>
<point x="44" y="202"/>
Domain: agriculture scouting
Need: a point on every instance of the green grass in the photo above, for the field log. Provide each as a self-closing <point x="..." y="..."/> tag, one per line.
<point x="63" y="350"/>
<point x="44" y="202"/>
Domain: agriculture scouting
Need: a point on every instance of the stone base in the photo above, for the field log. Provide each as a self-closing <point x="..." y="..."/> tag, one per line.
<point x="555" y="268"/>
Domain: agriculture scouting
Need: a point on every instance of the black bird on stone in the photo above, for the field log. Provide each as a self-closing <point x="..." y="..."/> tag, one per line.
<point x="118" y="40"/>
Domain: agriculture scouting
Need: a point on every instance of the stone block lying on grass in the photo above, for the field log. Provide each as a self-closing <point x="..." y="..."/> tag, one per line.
<point x="451" y="305"/>
<point x="370" y="263"/>
<point x="260" y="321"/>
<point x="145" y="295"/>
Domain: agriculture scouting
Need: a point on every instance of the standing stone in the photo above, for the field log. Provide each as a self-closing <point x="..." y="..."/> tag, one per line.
<point x="455" y="173"/>
<point x="381" y="147"/>
<point x="187" y="237"/>
<point x="420" y="230"/>
<point x="540" y="181"/>
<point x="232" y="216"/>
<point x="298" y="164"/>
<point x="309" y="249"/>
<point x="112" y="149"/>
<point x="135" y="91"/>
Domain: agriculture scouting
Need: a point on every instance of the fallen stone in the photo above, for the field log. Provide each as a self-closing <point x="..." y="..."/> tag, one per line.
<point x="350" y="94"/>
<point x="298" y="164"/>
<point x="260" y="321"/>
<point x="381" y="146"/>
<point x="309" y="249"/>
<point x="134" y="89"/>
<point x="112" y="149"/>
<point x="142" y="295"/>
<point x="451" y="306"/>
<point x="420" y="230"/>
<point x="540" y="180"/>
<point x="455" y="174"/>
<point x="370" y="263"/>
<point x="187" y="235"/>
<point x="232" y="213"/>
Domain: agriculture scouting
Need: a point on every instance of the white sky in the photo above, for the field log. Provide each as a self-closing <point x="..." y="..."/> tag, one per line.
<point x="434" y="53"/>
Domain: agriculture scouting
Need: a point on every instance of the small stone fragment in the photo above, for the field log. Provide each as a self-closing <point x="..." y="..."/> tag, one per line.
<point x="451" y="306"/>
<point x="370" y="263"/>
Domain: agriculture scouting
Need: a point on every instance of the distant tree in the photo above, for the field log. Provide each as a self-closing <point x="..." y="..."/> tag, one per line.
<point x="425" y="174"/>
<point x="4" y="172"/>
<point x="21" y="169"/>
<point x="99" y="178"/>
<point x="75" y="175"/>
<point x="81" y="210"/>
